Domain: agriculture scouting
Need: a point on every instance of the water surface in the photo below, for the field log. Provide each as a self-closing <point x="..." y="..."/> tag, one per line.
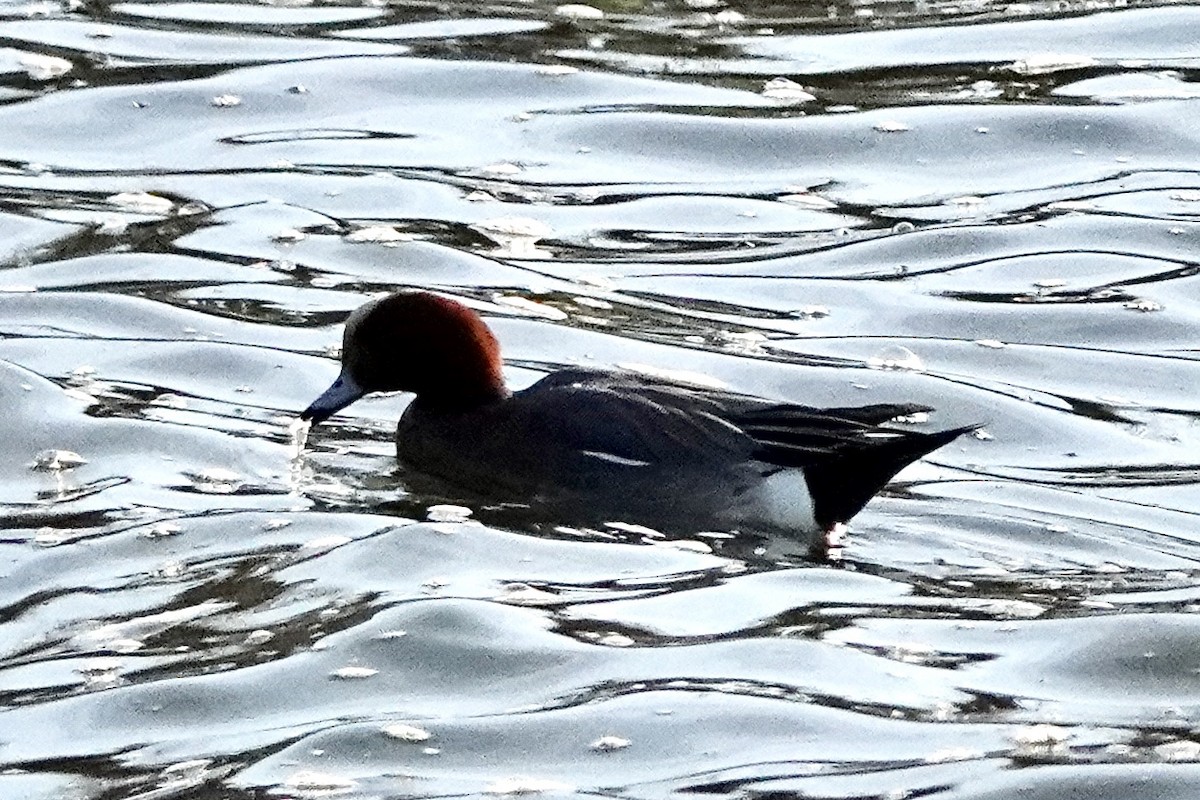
<point x="990" y="209"/>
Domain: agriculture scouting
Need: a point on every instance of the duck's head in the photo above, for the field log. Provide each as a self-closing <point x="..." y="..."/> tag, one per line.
<point x="417" y="342"/>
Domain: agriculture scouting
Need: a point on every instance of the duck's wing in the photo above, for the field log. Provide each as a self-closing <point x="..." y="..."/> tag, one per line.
<point x="642" y="416"/>
<point x="800" y="436"/>
<point x="629" y="419"/>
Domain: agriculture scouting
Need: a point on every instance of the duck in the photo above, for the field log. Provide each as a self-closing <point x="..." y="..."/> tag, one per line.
<point x="615" y="445"/>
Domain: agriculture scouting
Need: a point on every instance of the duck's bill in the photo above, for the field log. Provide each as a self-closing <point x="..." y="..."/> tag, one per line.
<point x="342" y="393"/>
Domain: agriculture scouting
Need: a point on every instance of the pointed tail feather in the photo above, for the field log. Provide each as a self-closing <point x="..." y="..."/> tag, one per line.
<point x="842" y="485"/>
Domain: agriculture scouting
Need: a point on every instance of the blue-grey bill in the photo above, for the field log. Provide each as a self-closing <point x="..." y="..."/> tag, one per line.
<point x="342" y="393"/>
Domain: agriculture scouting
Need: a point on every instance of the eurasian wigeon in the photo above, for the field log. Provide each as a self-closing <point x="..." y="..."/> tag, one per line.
<point x="614" y="445"/>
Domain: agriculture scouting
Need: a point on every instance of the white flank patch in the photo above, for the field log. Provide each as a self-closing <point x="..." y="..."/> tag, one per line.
<point x="783" y="502"/>
<point x="615" y="459"/>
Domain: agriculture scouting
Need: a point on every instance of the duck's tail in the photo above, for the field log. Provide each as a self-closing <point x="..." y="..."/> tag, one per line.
<point x="842" y="484"/>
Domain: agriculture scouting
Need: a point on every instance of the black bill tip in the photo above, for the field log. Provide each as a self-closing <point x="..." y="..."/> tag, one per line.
<point x="344" y="391"/>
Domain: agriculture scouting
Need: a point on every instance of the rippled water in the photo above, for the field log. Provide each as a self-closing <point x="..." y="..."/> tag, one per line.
<point x="991" y="209"/>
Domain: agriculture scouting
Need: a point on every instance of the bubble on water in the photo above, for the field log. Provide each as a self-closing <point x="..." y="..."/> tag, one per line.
<point x="406" y="733"/>
<point x="260" y="636"/>
<point x="141" y="202"/>
<point x="729" y="17"/>
<point x="288" y="236"/>
<point x="994" y="344"/>
<point x="226" y="101"/>
<point x="105" y="665"/>
<point x="57" y="461"/>
<point x="531" y="307"/>
<point x="379" y="234"/>
<point x="783" y="90"/>
<point x="614" y="639"/>
<point x="353" y="673"/>
<point x="392" y="634"/>
<point x="556" y="70"/>
<point x="1044" y="63"/>
<point x="1072" y="205"/>
<point x="314" y="781"/>
<point x="82" y="372"/>
<point x="215" y="480"/>
<point x="637" y="530"/>
<point x="610" y="743"/>
<point x="109" y="224"/>
<point x="903" y="227"/>
<point x="327" y="542"/>
<point x="515" y="237"/>
<point x="1178" y="750"/>
<point x="746" y="342"/>
<point x="446" y="512"/>
<point x="896" y="357"/>
<point x="51" y="537"/>
<point x="892" y="126"/>
<point x="592" y="302"/>
<point x="44" y="68"/>
<point x="1143" y="305"/>
<point x="982" y="89"/>
<point x="522" y="594"/>
<point x="521" y="785"/>
<point x="809" y="312"/>
<point x="578" y="11"/>
<point x="1043" y="735"/>
<point x="160" y="530"/>
<point x="503" y="168"/>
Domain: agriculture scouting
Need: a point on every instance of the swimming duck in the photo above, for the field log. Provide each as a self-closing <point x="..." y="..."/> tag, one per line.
<point x="614" y="445"/>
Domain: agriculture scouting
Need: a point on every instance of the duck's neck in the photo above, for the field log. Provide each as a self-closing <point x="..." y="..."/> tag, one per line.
<point x="460" y="398"/>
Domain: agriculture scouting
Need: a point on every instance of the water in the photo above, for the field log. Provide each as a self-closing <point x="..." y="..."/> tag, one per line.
<point x="990" y="209"/>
